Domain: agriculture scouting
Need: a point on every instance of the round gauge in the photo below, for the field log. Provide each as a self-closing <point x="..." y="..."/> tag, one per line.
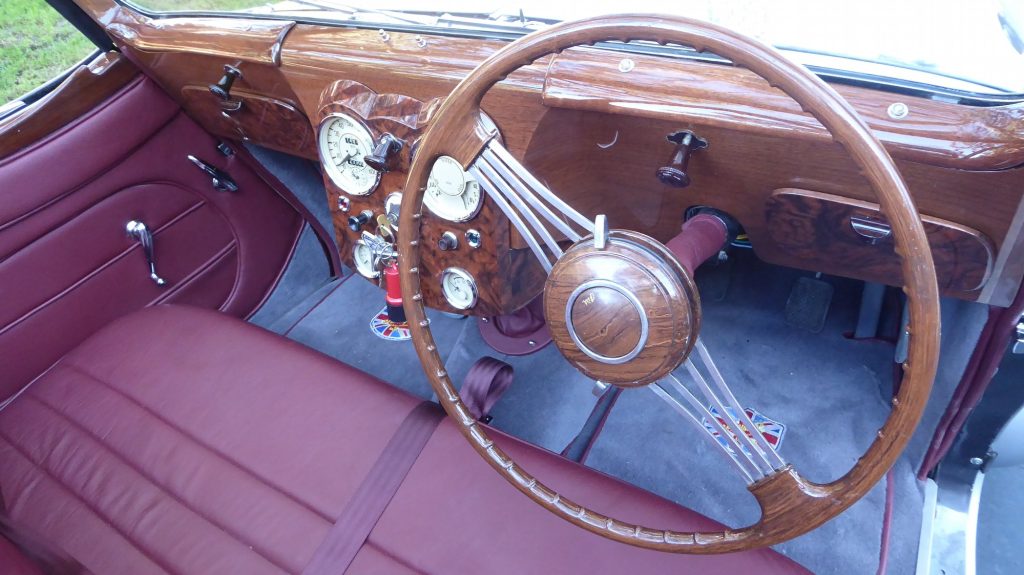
<point x="452" y="193"/>
<point x="343" y="143"/>
<point x="459" y="288"/>
<point x="363" y="257"/>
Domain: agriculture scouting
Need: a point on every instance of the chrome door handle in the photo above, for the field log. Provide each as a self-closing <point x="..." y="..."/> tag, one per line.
<point x="872" y="231"/>
<point x="140" y="232"/>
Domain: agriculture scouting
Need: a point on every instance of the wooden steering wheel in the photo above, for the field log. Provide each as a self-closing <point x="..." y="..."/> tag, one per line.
<point x="633" y="276"/>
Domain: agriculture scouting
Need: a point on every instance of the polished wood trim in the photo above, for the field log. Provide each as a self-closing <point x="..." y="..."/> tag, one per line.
<point x="737" y="173"/>
<point x="402" y="116"/>
<point x="817" y="229"/>
<point x="1008" y="270"/>
<point x="83" y="90"/>
<point x="251" y="39"/>
<point x="252" y="117"/>
<point x="604" y="319"/>
<point x="934" y="132"/>
<point x="506" y="278"/>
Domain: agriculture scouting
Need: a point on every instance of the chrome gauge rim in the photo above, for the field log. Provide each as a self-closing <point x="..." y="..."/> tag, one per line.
<point x="336" y="175"/>
<point x="459" y="272"/>
<point x="440" y="207"/>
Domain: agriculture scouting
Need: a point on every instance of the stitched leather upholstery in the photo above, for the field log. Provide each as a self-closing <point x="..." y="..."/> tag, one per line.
<point x="180" y="440"/>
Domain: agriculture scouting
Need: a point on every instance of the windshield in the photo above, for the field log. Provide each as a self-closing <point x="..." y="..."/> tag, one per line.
<point x="971" y="46"/>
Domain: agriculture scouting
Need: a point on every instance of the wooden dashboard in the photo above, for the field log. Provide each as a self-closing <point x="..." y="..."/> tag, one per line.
<point x="592" y="124"/>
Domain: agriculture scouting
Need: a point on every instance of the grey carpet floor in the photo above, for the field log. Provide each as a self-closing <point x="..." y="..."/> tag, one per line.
<point x="828" y="390"/>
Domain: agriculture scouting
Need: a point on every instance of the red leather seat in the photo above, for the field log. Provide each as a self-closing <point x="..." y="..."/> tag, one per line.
<point x="183" y="441"/>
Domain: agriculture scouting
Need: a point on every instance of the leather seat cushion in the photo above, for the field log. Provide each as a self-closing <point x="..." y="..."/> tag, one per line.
<point x="180" y="440"/>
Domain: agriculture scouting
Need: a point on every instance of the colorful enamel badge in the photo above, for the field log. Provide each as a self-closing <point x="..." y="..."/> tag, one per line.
<point x="772" y="431"/>
<point x="382" y="326"/>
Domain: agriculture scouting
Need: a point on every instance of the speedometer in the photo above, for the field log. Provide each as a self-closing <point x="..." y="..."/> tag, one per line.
<point x="451" y="192"/>
<point x="343" y="143"/>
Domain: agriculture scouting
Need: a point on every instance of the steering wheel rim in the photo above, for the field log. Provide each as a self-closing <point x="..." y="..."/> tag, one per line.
<point x="790" y="505"/>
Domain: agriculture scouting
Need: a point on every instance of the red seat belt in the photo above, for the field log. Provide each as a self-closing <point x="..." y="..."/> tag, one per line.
<point x="353" y="526"/>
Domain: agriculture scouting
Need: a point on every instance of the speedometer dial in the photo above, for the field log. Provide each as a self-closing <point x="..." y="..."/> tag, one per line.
<point x="343" y="143"/>
<point x="452" y="193"/>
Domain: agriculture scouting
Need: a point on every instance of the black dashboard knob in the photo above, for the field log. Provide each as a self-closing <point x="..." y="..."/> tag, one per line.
<point x="448" y="242"/>
<point x="675" y="174"/>
<point x="383" y="153"/>
<point x="356" y="222"/>
<point x="222" y="89"/>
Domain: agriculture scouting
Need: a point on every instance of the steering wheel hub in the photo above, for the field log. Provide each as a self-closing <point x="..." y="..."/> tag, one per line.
<point x="627" y="314"/>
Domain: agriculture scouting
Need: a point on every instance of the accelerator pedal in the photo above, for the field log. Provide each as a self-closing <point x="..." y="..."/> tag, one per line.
<point x="808" y="303"/>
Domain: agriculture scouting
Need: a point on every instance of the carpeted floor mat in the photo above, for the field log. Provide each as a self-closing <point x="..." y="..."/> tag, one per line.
<point x="828" y="390"/>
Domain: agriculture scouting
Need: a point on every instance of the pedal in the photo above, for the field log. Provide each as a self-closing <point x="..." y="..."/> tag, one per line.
<point x="808" y="304"/>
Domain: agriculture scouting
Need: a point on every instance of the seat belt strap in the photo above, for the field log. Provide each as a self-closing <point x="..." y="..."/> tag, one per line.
<point x="484" y="384"/>
<point x="371" y="499"/>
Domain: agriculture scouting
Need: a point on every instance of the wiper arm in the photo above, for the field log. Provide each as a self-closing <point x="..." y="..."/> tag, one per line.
<point x="353" y="12"/>
<point x="490" y="22"/>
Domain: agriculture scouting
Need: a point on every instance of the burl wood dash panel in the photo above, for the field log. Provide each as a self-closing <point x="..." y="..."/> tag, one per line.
<point x="961" y="163"/>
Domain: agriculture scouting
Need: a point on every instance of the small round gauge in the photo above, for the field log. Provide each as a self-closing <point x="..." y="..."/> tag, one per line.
<point x="452" y="193"/>
<point x="459" y="288"/>
<point x="343" y="143"/>
<point x="363" y="257"/>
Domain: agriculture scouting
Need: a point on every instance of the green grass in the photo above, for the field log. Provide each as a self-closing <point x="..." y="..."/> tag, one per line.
<point x="36" y="44"/>
<point x="185" y="5"/>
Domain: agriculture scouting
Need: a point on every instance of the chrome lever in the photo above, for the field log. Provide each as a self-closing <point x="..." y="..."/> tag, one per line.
<point x="140" y="232"/>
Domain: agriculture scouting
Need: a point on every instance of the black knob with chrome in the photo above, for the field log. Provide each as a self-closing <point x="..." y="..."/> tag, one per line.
<point x="675" y="174"/>
<point x="356" y="222"/>
<point x="449" y="241"/>
<point x="222" y="89"/>
<point x="383" y="153"/>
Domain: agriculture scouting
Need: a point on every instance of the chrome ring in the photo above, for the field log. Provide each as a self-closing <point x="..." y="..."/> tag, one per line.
<point x="632" y="299"/>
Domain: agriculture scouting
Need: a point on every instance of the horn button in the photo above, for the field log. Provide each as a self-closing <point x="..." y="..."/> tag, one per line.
<point x="627" y="314"/>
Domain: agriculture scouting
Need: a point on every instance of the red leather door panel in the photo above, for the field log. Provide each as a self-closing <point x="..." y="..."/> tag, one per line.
<point x="67" y="265"/>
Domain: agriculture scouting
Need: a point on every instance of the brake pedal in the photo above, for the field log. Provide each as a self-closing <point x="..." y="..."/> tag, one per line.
<point x="808" y="303"/>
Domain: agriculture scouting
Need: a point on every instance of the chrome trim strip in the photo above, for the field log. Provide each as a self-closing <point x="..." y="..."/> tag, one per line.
<point x="512" y="177"/>
<point x="503" y="188"/>
<point x="760" y="443"/>
<point x="494" y="149"/>
<point x="644" y="325"/>
<point x="695" y="404"/>
<point x="511" y="214"/>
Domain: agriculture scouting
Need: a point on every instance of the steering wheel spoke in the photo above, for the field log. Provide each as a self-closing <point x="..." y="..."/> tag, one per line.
<point x="528" y="203"/>
<point x="741" y="442"/>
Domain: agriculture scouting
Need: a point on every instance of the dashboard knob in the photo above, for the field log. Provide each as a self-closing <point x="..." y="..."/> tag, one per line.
<point x="448" y="242"/>
<point x="383" y="153"/>
<point x="675" y="174"/>
<point x="356" y="222"/>
<point x="222" y="89"/>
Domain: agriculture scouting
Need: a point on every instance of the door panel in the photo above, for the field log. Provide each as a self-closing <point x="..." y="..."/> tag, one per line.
<point x="67" y="265"/>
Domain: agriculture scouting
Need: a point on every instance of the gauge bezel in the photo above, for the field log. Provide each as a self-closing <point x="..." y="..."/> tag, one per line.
<point x="472" y="284"/>
<point x="469" y="180"/>
<point x="332" y="171"/>
<point x="355" y="261"/>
